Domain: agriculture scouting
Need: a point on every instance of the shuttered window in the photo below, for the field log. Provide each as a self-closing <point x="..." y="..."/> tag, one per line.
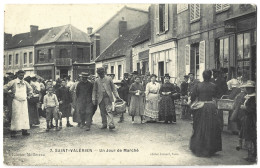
<point x="222" y="7"/>
<point x="161" y="18"/>
<point x="194" y="12"/>
<point x="202" y="57"/>
<point x="182" y="8"/>
<point x="187" y="59"/>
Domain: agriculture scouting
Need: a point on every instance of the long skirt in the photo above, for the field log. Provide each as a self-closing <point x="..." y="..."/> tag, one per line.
<point x="206" y="138"/>
<point x="20" y="115"/>
<point x="136" y="106"/>
<point x="33" y="113"/>
<point x="167" y="109"/>
<point x="152" y="106"/>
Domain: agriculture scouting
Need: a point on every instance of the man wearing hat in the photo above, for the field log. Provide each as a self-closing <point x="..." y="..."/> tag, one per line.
<point x="248" y="132"/>
<point x="184" y="97"/>
<point x="193" y="82"/>
<point x="20" y="91"/>
<point x="84" y="101"/>
<point x="102" y="95"/>
<point x="125" y="83"/>
<point x="134" y="74"/>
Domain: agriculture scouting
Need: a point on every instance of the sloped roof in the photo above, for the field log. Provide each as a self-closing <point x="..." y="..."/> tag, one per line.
<point x="66" y="33"/>
<point x="120" y="46"/>
<point x="25" y="39"/>
<point x="144" y="35"/>
<point x="125" y="7"/>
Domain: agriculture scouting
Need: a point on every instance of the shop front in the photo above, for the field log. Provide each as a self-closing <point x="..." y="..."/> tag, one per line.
<point x="46" y="72"/>
<point x="236" y="49"/>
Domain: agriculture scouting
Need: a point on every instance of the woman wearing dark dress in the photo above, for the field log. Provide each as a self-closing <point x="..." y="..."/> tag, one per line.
<point x="166" y="104"/>
<point x="206" y="137"/>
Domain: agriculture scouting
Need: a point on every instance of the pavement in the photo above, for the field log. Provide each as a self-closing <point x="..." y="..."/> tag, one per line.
<point x="128" y="144"/>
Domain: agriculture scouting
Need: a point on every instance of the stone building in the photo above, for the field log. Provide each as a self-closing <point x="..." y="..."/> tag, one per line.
<point x="63" y="51"/>
<point x="19" y="50"/>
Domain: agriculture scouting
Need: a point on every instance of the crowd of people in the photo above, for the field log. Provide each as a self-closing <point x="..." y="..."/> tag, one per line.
<point x="26" y="99"/>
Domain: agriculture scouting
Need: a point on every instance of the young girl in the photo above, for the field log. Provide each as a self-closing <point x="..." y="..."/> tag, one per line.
<point x="51" y="105"/>
<point x="137" y="99"/>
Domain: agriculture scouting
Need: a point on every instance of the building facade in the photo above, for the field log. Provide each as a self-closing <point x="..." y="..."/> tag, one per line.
<point x="63" y="51"/>
<point x="220" y="36"/>
<point x="163" y="47"/>
<point x="19" y="51"/>
<point x="140" y="51"/>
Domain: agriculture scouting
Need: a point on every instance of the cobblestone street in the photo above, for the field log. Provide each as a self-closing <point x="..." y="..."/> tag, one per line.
<point x="128" y="144"/>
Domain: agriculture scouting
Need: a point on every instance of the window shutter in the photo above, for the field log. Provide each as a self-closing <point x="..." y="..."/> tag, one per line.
<point x="166" y="17"/>
<point x="202" y="56"/>
<point x="192" y="12"/>
<point x="157" y="18"/>
<point x="187" y="59"/>
<point x="197" y="10"/>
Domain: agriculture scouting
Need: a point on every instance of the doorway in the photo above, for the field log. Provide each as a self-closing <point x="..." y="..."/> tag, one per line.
<point x="161" y="71"/>
<point x="63" y="73"/>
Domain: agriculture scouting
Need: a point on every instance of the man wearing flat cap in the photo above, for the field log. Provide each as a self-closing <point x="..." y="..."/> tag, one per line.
<point x="21" y="91"/>
<point x="102" y="95"/>
<point x="84" y="101"/>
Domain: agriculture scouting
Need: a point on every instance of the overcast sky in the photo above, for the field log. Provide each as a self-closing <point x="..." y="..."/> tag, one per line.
<point x="18" y="18"/>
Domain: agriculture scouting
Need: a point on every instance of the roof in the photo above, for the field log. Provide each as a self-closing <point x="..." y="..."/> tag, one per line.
<point x="66" y="33"/>
<point x="144" y="35"/>
<point x="25" y="39"/>
<point x="121" y="45"/>
<point x="125" y="7"/>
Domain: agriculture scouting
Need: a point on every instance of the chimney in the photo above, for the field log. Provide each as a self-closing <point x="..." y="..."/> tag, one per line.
<point x="89" y="30"/>
<point x="33" y="29"/>
<point x="122" y="26"/>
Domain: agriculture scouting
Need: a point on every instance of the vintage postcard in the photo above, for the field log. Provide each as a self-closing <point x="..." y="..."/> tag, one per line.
<point x="129" y="84"/>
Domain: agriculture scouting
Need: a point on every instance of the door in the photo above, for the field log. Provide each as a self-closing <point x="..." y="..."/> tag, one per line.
<point x="63" y="73"/>
<point x="160" y="71"/>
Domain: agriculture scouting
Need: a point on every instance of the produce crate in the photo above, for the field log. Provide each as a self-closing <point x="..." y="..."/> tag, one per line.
<point x="225" y="104"/>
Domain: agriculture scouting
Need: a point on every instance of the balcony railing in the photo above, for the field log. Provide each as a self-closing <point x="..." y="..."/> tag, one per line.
<point x="63" y="62"/>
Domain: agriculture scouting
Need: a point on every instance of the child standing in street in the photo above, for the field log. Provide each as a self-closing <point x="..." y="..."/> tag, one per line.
<point x="137" y="99"/>
<point x="51" y="105"/>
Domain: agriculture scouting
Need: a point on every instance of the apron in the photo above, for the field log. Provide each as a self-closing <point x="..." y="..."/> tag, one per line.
<point x="20" y="116"/>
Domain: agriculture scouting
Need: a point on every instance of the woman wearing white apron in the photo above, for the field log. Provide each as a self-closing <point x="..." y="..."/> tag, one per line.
<point x="20" y="117"/>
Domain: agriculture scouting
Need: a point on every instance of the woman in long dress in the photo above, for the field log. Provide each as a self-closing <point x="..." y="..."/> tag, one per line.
<point x="137" y="99"/>
<point x="206" y="137"/>
<point x="166" y="104"/>
<point x="152" y="100"/>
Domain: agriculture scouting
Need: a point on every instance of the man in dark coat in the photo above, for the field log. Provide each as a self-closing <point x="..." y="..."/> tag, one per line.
<point x="193" y="82"/>
<point x="84" y="101"/>
<point x="220" y="82"/>
<point x="125" y="84"/>
<point x="64" y="98"/>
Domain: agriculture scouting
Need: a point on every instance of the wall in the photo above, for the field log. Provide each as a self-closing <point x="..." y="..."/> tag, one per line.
<point x="13" y="67"/>
<point x="136" y="50"/>
<point x="111" y="31"/>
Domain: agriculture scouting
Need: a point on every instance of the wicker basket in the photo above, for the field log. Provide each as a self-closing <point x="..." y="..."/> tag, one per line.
<point x="120" y="107"/>
<point x="225" y="104"/>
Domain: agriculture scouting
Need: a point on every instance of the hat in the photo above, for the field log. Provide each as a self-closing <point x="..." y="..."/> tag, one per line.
<point x="167" y="75"/>
<point x="186" y="76"/>
<point x="134" y="73"/>
<point x="101" y="69"/>
<point x="153" y="75"/>
<point x="191" y="73"/>
<point x="126" y="74"/>
<point x="20" y="71"/>
<point x="249" y="84"/>
<point x="84" y="74"/>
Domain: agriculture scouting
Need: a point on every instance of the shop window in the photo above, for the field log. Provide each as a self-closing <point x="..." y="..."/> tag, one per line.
<point x="30" y="57"/>
<point x="243" y="54"/>
<point x="25" y="58"/>
<point x="10" y="60"/>
<point x="194" y="12"/>
<point x="224" y="53"/>
<point x="16" y="59"/>
<point x="182" y="8"/>
<point x="222" y="7"/>
<point x="119" y="72"/>
<point x="162" y="18"/>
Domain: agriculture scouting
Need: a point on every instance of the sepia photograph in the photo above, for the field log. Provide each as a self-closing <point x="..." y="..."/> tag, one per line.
<point x="147" y="84"/>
